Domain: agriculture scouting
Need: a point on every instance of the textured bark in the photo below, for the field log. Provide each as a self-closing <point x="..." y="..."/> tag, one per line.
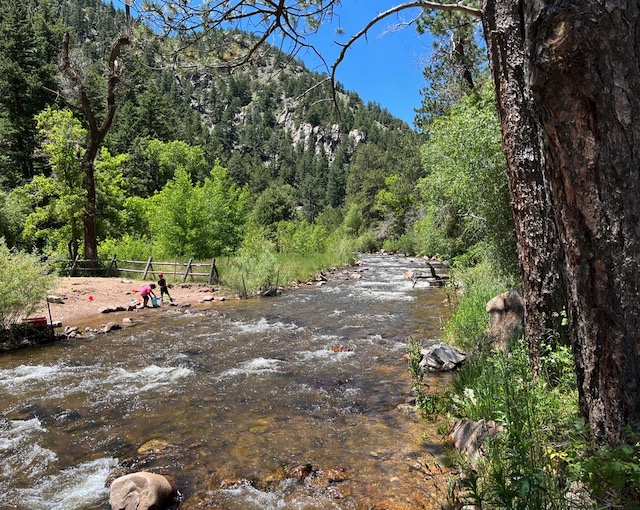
<point x="571" y="136"/>
<point x="586" y="81"/>
<point x="536" y="233"/>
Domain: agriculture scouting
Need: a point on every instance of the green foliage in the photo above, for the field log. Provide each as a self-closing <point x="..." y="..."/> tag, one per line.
<point x="353" y="223"/>
<point x="406" y="244"/>
<point x="520" y="469"/>
<point x="29" y="35"/>
<point x="274" y="204"/>
<point x="612" y="474"/>
<point x="250" y="275"/>
<point x="465" y="194"/>
<point x="54" y="205"/>
<point x="203" y="221"/>
<point x="155" y="162"/>
<point x="300" y="237"/>
<point x="111" y="195"/>
<point x="524" y="466"/>
<point x="24" y="284"/>
<point x="427" y="403"/>
<point x="394" y="201"/>
<point x="127" y="247"/>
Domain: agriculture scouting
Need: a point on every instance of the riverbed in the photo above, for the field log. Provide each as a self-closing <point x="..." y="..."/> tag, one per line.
<point x="300" y="401"/>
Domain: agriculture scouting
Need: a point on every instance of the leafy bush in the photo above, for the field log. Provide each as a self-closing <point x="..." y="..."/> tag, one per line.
<point x="126" y="248"/>
<point x="519" y="469"/>
<point x="465" y="194"/>
<point x="24" y="282"/>
<point x="203" y="221"/>
<point x="300" y="237"/>
<point x="249" y="275"/>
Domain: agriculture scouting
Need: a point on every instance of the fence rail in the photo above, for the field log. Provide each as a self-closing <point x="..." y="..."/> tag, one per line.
<point x="179" y="270"/>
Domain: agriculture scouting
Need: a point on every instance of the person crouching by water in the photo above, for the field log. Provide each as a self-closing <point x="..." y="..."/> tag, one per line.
<point x="162" y="283"/>
<point x="145" y="292"/>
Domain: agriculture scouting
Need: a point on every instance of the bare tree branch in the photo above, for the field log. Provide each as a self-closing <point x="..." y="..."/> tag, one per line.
<point x="459" y="7"/>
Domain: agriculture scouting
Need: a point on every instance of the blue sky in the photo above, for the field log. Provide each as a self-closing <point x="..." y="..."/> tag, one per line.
<point x="387" y="66"/>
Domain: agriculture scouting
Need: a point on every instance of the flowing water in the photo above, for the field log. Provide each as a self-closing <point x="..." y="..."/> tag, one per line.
<point x="234" y="405"/>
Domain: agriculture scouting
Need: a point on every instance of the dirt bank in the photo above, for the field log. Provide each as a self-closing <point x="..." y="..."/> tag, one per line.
<point x="83" y="298"/>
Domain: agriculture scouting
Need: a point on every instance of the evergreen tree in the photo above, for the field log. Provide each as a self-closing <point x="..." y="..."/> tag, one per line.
<point x="27" y="68"/>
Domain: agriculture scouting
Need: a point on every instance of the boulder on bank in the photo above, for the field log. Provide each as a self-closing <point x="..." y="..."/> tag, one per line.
<point x="506" y="317"/>
<point x="442" y="357"/>
<point x="142" y="491"/>
<point x="467" y="436"/>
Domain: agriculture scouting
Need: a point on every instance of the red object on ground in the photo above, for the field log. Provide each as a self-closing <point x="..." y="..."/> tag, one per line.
<point x="90" y="298"/>
<point x="35" y="321"/>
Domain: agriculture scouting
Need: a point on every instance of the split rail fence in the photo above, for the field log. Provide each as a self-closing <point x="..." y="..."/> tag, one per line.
<point x="176" y="270"/>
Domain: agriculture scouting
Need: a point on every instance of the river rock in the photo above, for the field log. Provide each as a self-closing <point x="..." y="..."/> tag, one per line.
<point x="111" y="326"/>
<point x="506" y="318"/>
<point x="110" y="309"/>
<point x="141" y="491"/>
<point x="467" y="436"/>
<point x="442" y="357"/>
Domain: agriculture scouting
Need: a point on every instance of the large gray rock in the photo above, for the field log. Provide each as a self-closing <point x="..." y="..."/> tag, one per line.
<point x="506" y="318"/>
<point x="141" y="491"/>
<point x="442" y="357"/>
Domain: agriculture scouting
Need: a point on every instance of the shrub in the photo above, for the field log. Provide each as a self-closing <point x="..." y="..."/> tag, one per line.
<point x="24" y="284"/>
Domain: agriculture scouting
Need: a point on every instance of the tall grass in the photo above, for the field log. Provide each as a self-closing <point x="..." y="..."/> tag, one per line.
<point x="253" y="272"/>
<point x="468" y="293"/>
<point x="525" y="466"/>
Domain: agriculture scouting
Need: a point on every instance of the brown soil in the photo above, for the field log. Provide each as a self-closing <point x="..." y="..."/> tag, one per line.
<point x="83" y="298"/>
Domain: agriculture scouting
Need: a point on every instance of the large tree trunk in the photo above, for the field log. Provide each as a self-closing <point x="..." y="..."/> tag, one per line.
<point x="90" y="209"/>
<point x="97" y="133"/>
<point x="536" y="233"/>
<point x="579" y="81"/>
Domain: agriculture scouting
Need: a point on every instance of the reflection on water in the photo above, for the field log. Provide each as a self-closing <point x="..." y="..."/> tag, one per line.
<point x="231" y="405"/>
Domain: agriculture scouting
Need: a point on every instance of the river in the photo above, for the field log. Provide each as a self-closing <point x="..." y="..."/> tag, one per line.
<point x="232" y="404"/>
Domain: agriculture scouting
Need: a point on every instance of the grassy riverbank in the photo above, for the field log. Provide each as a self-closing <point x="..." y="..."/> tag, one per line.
<point x="542" y="458"/>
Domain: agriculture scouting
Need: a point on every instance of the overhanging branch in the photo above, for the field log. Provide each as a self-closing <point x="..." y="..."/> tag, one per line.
<point x="459" y="7"/>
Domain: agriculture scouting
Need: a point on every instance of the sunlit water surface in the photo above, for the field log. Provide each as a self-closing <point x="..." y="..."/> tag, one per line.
<point x="228" y="405"/>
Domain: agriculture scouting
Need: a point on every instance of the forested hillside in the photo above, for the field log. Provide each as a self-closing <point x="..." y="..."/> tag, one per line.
<point x="270" y="129"/>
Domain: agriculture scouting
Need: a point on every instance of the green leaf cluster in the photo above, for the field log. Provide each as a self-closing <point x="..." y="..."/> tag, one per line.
<point x="24" y="282"/>
<point x="465" y="191"/>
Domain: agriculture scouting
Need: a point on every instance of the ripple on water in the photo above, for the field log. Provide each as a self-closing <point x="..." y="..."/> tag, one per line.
<point x="20" y="454"/>
<point x="82" y="486"/>
<point x="288" y="495"/>
<point x="98" y="382"/>
<point x="253" y="367"/>
<point x="263" y="325"/>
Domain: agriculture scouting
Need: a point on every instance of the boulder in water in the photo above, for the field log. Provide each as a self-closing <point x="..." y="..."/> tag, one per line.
<point x="142" y="491"/>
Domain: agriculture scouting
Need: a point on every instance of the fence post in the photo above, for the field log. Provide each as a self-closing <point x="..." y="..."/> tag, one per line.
<point x="186" y="272"/>
<point x="213" y="269"/>
<point x="111" y="264"/>
<point x="74" y="265"/>
<point x="146" y="269"/>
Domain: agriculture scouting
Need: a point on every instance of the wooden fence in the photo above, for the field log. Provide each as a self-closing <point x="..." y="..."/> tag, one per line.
<point x="177" y="270"/>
